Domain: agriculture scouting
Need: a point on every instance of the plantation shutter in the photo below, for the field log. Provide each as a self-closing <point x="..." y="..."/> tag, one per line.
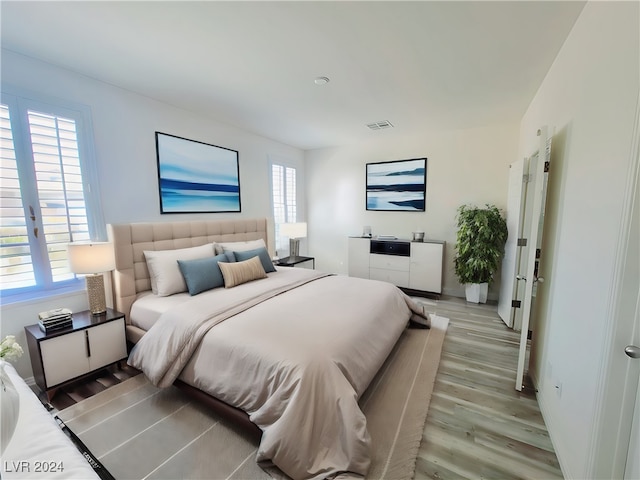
<point x="284" y="194"/>
<point x="16" y="268"/>
<point x="45" y="150"/>
<point x="56" y="161"/>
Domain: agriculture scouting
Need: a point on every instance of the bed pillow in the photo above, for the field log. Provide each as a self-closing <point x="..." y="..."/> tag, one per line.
<point x="242" y="272"/>
<point x="203" y="274"/>
<point x="166" y="278"/>
<point x="261" y="253"/>
<point x="240" y="246"/>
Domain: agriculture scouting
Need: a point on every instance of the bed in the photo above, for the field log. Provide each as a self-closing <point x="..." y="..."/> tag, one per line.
<point x="287" y="355"/>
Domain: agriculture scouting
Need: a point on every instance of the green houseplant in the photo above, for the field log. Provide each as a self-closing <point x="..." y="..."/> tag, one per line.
<point x="480" y="240"/>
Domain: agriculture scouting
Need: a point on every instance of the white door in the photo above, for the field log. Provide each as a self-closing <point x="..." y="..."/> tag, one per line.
<point x="532" y="231"/>
<point x="632" y="468"/>
<point x="515" y="204"/>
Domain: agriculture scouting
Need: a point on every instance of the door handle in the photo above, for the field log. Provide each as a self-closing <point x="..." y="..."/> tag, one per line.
<point x="632" y="351"/>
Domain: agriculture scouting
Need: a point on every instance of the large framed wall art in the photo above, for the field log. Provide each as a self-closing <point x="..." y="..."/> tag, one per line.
<point x="399" y="185"/>
<point x="196" y="177"/>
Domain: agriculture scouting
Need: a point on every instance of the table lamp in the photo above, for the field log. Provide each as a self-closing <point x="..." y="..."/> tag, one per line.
<point x="295" y="231"/>
<point x="92" y="259"/>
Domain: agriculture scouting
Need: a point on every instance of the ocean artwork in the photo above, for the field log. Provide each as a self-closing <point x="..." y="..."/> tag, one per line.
<point x="399" y="185"/>
<point x="196" y="177"/>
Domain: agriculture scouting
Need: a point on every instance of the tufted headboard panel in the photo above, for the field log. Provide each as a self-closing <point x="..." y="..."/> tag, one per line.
<point x="130" y="240"/>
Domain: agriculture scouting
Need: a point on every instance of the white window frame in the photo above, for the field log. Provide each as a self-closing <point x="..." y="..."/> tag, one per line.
<point x="19" y="103"/>
<point x="281" y="243"/>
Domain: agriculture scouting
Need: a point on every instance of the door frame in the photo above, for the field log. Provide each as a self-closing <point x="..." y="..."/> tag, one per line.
<point x="617" y="392"/>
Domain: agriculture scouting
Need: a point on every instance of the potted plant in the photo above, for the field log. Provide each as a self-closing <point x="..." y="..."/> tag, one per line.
<point x="480" y="240"/>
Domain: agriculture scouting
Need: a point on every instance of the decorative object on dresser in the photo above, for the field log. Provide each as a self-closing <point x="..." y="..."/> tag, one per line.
<point x="295" y="231"/>
<point x="92" y="259"/>
<point x="411" y="265"/>
<point x="196" y="177"/>
<point x="480" y="240"/>
<point x="400" y="185"/>
<point x="92" y="342"/>
<point x="56" y="319"/>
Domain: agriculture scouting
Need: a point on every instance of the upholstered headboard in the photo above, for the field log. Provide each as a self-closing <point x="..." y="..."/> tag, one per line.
<point x="130" y="240"/>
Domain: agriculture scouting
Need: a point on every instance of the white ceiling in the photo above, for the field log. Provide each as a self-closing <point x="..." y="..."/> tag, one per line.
<point x="422" y="65"/>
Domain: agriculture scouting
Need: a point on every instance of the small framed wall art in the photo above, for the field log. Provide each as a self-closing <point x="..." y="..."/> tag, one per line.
<point x="196" y="177"/>
<point x="399" y="185"/>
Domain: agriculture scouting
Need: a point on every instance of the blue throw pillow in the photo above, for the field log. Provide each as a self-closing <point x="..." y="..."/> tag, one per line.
<point x="262" y="253"/>
<point x="204" y="273"/>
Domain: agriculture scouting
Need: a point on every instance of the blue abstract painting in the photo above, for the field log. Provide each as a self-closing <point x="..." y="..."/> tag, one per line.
<point x="398" y="185"/>
<point x="196" y="177"/>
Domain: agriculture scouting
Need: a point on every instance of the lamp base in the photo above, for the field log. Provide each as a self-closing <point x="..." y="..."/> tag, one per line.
<point x="294" y="247"/>
<point x="95" y="291"/>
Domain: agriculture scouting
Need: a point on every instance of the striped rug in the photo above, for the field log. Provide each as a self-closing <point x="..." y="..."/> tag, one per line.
<point x="139" y="431"/>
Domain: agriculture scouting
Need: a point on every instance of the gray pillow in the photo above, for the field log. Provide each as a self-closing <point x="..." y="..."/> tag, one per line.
<point x="204" y="273"/>
<point x="262" y="253"/>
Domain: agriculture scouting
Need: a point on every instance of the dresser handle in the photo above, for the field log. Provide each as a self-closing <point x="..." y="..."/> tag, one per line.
<point x="86" y="338"/>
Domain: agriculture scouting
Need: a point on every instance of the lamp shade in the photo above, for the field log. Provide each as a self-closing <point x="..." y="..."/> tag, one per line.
<point x="87" y="258"/>
<point x="294" y="230"/>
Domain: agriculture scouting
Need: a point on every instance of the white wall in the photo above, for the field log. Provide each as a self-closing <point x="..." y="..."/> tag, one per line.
<point x="464" y="166"/>
<point x="589" y="96"/>
<point x="124" y="125"/>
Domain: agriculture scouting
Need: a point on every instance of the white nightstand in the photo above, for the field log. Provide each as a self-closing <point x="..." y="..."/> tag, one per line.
<point x="90" y="344"/>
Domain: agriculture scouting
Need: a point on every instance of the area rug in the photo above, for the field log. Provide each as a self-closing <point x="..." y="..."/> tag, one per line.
<point x="138" y="431"/>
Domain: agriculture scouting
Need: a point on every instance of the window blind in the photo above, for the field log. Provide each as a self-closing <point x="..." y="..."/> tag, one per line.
<point x="16" y="269"/>
<point x="284" y="194"/>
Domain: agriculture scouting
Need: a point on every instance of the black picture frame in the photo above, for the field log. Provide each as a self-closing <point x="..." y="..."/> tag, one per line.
<point x="397" y="185"/>
<point x="196" y="177"/>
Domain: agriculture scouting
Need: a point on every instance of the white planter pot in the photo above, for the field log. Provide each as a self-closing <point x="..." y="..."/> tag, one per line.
<point x="476" y="292"/>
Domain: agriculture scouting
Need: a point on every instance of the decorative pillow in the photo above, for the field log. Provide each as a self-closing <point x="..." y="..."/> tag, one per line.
<point x="10" y="403"/>
<point x="166" y="278"/>
<point x="261" y="253"/>
<point x="204" y="273"/>
<point x="240" y="246"/>
<point x="242" y="272"/>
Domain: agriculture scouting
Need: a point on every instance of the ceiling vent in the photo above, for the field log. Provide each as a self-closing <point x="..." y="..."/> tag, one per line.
<point x="380" y="125"/>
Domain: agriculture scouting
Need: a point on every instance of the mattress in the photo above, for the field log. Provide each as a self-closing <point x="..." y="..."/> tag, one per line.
<point x="148" y="307"/>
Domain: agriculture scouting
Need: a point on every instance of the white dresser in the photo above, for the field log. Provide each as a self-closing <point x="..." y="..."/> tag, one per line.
<point x="413" y="265"/>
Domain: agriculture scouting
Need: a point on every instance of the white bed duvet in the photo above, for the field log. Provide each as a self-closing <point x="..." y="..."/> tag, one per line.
<point x="295" y="351"/>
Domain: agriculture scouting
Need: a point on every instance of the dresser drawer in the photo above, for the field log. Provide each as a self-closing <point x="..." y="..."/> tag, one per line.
<point x="401" y="279"/>
<point x="389" y="262"/>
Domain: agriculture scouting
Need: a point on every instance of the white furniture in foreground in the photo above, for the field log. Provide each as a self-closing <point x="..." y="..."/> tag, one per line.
<point x="39" y="449"/>
<point x="413" y="265"/>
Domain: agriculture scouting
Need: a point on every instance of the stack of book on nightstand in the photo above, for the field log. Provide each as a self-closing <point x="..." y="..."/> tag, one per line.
<point x="55" y="319"/>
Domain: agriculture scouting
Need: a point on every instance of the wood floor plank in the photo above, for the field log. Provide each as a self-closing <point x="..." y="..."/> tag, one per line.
<point x="479" y="426"/>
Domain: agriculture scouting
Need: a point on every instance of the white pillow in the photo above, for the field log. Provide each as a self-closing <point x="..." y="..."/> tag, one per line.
<point x="164" y="271"/>
<point x="239" y="246"/>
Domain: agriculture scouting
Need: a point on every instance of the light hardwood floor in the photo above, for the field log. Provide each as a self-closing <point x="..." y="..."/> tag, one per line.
<point x="479" y="426"/>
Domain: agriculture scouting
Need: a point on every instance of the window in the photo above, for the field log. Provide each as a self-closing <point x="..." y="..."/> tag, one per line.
<point x="283" y="185"/>
<point x="44" y="201"/>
